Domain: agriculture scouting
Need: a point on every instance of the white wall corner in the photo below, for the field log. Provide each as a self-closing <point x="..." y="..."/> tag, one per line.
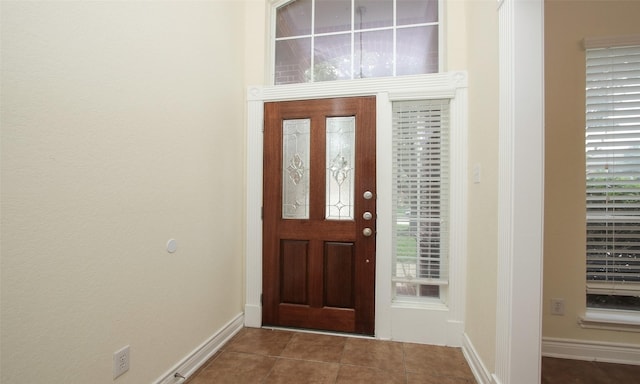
<point x="591" y="350"/>
<point x="199" y="356"/>
<point x="478" y="368"/>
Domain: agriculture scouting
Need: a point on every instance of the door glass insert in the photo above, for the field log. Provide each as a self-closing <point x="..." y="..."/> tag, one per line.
<point x="340" y="167"/>
<point x="295" y="168"/>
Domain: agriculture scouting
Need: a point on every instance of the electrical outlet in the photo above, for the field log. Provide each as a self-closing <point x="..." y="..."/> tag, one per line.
<point x="557" y="307"/>
<point x="120" y="362"/>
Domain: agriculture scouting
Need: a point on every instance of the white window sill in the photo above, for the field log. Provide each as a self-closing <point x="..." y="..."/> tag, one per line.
<point x="419" y="303"/>
<point x="610" y="319"/>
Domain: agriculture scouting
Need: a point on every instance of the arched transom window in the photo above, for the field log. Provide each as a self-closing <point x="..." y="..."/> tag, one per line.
<point x="323" y="40"/>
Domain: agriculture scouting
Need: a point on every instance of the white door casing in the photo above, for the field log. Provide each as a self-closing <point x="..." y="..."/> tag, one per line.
<point x="443" y="324"/>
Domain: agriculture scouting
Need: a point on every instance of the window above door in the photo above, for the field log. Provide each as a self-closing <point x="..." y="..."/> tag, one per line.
<point x="326" y="40"/>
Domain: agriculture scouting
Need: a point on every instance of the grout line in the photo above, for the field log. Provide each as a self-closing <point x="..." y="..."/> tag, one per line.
<point x="404" y="364"/>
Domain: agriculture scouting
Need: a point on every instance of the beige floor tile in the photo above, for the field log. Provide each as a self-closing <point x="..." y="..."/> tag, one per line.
<point x="260" y="341"/>
<point x="309" y="346"/>
<point x="289" y="371"/>
<point x="426" y="378"/>
<point x="234" y="368"/>
<point x="352" y="374"/>
<point x="384" y="355"/>
<point x="563" y="371"/>
<point x="436" y="360"/>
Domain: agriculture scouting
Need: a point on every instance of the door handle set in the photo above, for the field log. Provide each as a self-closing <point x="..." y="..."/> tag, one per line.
<point x="367" y="232"/>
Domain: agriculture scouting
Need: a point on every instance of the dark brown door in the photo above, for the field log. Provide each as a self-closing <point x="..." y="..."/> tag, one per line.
<point x="319" y="214"/>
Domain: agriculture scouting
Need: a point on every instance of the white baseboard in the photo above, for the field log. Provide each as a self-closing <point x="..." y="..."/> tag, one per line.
<point x="252" y="316"/>
<point x="591" y="350"/>
<point x="479" y="370"/>
<point x="194" y="360"/>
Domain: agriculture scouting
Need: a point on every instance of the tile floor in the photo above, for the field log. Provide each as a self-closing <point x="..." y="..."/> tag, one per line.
<point x="564" y="371"/>
<point x="267" y="356"/>
<point x="277" y="356"/>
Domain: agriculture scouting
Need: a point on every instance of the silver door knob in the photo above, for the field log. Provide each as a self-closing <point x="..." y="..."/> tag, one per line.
<point x="367" y="232"/>
<point x="367" y="215"/>
<point x="367" y="195"/>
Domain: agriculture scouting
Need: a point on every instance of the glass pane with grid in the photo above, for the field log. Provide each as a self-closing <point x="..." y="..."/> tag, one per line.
<point x="349" y="39"/>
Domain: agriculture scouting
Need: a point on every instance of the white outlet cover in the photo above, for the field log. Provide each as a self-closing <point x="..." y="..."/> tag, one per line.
<point x="120" y="362"/>
<point x="172" y="246"/>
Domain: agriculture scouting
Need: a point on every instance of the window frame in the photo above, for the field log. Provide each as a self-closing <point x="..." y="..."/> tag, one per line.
<point x="271" y="43"/>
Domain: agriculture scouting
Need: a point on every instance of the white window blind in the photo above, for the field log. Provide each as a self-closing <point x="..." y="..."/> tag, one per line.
<point x="613" y="171"/>
<point x="420" y="196"/>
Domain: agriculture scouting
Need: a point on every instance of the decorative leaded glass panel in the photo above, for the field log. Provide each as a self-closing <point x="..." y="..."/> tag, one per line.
<point x="295" y="168"/>
<point x="341" y="134"/>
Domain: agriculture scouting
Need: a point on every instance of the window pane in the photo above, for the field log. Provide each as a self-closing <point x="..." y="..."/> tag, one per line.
<point x="417" y="11"/>
<point x="412" y="61"/>
<point x="340" y="155"/>
<point x="333" y="16"/>
<point x="373" y="54"/>
<point x="294" y="19"/>
<point x="332" y="58"/>
<point x="417" y="290"/>
<point x="295" y="168"/>
<point x="373" y="14"/>
<point x="612" y="153"/>
<point x="627" y="303"/>
<point x="293" y="61"/>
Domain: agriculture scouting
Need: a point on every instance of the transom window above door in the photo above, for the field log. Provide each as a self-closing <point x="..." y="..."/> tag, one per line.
<point x="324" y="40"/>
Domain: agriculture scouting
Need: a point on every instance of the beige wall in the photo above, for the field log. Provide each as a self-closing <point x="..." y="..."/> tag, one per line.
<point x="482" y="34"/>
<point x="119" y="131"/>
<point x="566" y="24"/>
<point x="122" y="127"/>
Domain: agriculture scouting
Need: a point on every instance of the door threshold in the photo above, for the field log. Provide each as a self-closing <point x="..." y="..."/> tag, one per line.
<point x="319" y="332"/>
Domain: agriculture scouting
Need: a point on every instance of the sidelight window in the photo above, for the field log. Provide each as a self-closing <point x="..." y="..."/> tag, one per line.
<point x="420" y="197"/>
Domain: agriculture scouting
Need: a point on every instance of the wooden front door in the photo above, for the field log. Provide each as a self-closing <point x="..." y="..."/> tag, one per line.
<point x="319" y="214"/>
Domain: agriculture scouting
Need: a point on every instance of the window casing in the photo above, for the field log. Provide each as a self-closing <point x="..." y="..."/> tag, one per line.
<point x="612" y="143"/>
<point x="420" y="197"/>
<point x="316" y="40"/>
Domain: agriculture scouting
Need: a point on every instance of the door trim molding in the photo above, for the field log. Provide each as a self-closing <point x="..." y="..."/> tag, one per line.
<point x="442" y="85"/>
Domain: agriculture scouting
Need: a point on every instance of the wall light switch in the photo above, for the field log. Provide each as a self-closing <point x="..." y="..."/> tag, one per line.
<point x="557" y="307"/>
<point x="477" y="169"/>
